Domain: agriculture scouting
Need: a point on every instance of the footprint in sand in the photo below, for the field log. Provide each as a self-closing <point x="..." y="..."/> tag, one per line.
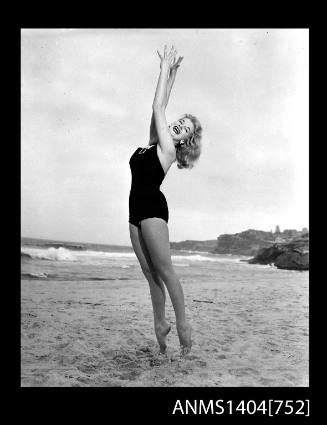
<point x="108" y="353"/>
<point x="123" y="357"/>
<point x="141" y="351"/>
<point x="266" y="381"/>
<point x="201" y="363"/>
<point x="243" y="371"/>
<point x="159" y="359"/>
<point x="226" y="349"/>
<point x="87" y="368"/>
<point x="62" y="345"/>
<point x="191" y="356"/>
<point x="152" y="355"/>
<point x="149" y="346"/>
<point x="131" y="375"/>
<point x="291" y="378"/>
<point x="42" y="356"/>
<point x="83" y="380"/>
<point x="127" y="362"/>
<point x="110" y="384"/>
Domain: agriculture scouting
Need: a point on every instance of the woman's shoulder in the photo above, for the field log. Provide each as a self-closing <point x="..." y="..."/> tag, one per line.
<point x="145" y="149"/>
<point x="165" y="159"/>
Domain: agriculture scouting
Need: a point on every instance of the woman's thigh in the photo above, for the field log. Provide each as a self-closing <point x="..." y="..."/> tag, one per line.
<point x="156" y="237"/>
<point x="140" y="249"/>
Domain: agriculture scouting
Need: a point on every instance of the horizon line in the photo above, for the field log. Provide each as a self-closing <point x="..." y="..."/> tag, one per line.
<point x="115" y="244"/>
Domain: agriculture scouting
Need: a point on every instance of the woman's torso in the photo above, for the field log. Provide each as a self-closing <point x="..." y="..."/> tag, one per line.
<point x="147" y="171"/>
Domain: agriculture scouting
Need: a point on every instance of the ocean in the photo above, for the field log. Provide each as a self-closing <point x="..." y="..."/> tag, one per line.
<point x="49" y="260"/>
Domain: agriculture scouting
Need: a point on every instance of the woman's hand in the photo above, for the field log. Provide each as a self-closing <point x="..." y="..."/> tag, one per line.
<point x="176" y="64"/>
<point x="167" y="60"/>
<point x="168" y="66"/>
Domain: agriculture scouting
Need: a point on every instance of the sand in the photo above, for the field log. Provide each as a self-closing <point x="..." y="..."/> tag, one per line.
<point x="96" y="334"/>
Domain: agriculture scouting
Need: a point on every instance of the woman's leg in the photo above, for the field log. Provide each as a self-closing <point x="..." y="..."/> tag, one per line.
<point x="156" y="237"/>
<point x="157" y="288"/>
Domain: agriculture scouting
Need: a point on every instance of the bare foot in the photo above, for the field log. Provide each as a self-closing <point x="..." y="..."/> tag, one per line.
<point x="184" y="334"/>
<point x="162" y="331"/>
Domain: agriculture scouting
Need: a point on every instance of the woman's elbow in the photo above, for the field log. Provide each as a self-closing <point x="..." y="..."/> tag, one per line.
<point x="158" y="107"/>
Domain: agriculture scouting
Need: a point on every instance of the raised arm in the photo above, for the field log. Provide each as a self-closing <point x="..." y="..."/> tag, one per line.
<point x="160" y="102"/>
<point x="171" y="79"/>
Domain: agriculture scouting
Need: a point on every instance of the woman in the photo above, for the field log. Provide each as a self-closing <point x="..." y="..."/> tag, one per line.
<point x="148" y="210"/>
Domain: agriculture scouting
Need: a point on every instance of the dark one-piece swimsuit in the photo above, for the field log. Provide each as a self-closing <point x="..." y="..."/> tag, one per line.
<point x="145" y="198"/>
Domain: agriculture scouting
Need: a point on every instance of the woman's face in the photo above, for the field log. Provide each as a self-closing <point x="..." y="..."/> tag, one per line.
<point x="181" y="129"/>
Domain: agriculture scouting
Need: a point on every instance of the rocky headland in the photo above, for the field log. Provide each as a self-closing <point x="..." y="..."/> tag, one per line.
<point x="292" y="255"/>
<point x="244" y="243"/>
<point x="286" y="250"/>
<point x="191" y="245"/>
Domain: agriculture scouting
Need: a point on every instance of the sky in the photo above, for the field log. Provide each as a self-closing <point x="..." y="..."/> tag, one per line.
<point x="86" y="104"/>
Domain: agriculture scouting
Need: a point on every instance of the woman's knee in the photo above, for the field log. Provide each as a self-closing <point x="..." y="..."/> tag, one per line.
<point x="150" y="274"/>
<point x="166" y="272"/>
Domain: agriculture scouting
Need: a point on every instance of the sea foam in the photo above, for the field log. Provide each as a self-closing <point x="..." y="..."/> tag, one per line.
<point x="64" y="254"/>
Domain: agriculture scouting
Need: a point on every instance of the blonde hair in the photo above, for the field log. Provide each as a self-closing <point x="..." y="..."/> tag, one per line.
<point x="188" y="153"/>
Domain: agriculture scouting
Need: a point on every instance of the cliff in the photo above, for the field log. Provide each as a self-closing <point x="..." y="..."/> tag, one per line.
<point x="293" y="255"/>
<point x="244" y="243"/>
<point x="248" y="242"/>
<point x="191" y="245"/>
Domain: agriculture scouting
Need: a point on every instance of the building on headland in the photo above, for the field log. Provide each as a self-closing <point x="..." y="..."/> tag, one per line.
<point x="278" y="239"/>
<point x="288" y="234"/>
<point x="250" y="241"/>
<point x="247" y="242"/>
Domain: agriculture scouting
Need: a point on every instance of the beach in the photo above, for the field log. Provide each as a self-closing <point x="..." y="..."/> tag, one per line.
<point x="250" y="327"/>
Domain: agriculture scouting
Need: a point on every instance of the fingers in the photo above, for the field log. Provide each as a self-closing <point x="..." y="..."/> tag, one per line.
<point x="172" y="51"/>
<point x="170" y="56"/>
<point x="175" y="64"/>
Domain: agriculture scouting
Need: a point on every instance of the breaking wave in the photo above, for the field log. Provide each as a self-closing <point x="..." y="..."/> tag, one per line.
<point x="35" y="275"/>
<point x="64" y="254"/>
